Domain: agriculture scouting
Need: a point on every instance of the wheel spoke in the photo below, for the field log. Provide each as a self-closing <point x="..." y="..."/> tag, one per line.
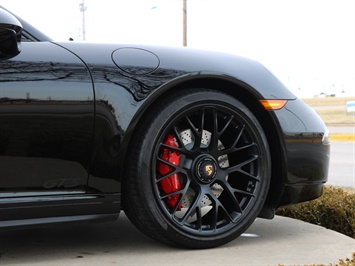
<point x="234" y="191"/>
<point x="245" y="147"/>
<point x="198" y="218"/>
<point x="245" y="193"/>
<point x="168" y="164"/>
<point x="182" y="150"/>
<point x="238" y="167"/>
<point x="192" y="208"/>
<point x="255" y="178"/>
<point x="214" y="219"/>
<point x="226" y="125"/>
<point x="177" y="170"/>
<point x="202" y="124"/>
<point x="216" y="134"/>
<point x="213" y="146"/>
<point x="238" y="137"/>
<point x="197" y="132"/>
<point x="181" y="191"/>
<point x="231" y="195"/>
<point x="233" y="147"/>
<point x="217" y="205"/>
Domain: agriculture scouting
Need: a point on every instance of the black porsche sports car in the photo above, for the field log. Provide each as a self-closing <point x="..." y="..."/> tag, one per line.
<point x="191" y="145"/>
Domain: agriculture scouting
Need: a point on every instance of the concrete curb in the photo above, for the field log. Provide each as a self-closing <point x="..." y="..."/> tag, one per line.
<point x="342" y="137"/>
<point x="342" y="133"/>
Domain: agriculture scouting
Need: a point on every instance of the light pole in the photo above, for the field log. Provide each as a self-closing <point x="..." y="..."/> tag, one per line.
<point x="184" y="23"/>
<point x="83" y="9"/>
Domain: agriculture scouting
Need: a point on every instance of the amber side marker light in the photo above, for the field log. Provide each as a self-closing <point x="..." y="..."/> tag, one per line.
<point x="273" y="104"/>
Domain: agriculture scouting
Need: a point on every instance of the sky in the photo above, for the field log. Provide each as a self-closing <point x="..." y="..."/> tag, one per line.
<point x="308" y="44"/>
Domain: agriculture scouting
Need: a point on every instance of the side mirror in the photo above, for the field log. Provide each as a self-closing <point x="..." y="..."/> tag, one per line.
<point x="10" y="35"/>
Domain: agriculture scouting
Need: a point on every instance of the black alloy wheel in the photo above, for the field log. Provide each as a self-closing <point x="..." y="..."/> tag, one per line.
<point x="199" y="170"/>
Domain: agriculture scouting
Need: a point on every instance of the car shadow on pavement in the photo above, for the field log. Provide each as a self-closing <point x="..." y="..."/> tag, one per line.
<point x="279" y="241"/>
<point x="81" y="242"/>
<point x="72" y="240"/>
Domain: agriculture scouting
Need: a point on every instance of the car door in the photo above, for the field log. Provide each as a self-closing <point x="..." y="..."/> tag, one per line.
<point x="46" y="123"/>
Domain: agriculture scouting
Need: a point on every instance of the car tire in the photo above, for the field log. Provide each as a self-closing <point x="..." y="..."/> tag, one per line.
<point x="197" y="170"/>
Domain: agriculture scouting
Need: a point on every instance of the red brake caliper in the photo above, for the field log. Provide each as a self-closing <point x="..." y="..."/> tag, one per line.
<point x="171" y="183"/>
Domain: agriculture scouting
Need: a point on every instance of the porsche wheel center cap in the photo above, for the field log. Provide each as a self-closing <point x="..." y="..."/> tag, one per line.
<point x="206" y="169"/>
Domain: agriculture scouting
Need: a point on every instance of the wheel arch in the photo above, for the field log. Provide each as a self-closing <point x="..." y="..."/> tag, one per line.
<point x="249" y="97"/>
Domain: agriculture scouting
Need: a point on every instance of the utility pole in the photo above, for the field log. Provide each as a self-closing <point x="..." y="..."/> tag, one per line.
<point x="83" y="8"/>
<point x="184" y="23"/>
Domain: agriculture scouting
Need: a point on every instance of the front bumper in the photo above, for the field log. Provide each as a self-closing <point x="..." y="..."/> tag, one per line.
<point x="307" y="152"/>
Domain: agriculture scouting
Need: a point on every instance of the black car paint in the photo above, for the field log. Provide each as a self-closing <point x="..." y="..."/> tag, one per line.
<point x="67" y="116"/>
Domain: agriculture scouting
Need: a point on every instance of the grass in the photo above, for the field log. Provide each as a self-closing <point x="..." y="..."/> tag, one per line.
<point x="334" y="116"/>
<point x="338" y="116"/>
<point x="328" y="101"/>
